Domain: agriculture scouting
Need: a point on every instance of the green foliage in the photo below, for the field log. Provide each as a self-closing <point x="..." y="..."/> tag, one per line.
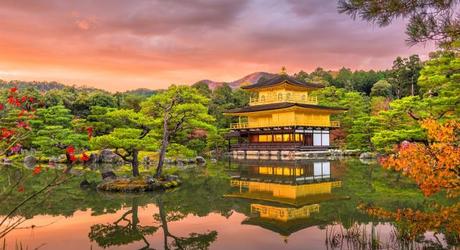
<point x="202" y="88"/>
<point x="404" y="74"/>
<point x="53" y="131"/>
<point x="360" y="81"/>
<point x="360" y="134"/>
<point x="98" y="120"/>
<point x="396" y="124"/>
<point x="428" y="20"/>
<point x="179" y="151"/>
<point x="125" y="138"/>
<point x="185" y="111"/>
<point x="132" y="133"/>
<point x="224" y="98"/>
<point x="382" y="88"/>
<point x="440" y="84"/>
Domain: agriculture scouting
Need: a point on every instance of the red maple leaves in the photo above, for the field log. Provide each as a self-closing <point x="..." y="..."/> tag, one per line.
<point x="435" y="166"/>
<point x="37" y="170"/>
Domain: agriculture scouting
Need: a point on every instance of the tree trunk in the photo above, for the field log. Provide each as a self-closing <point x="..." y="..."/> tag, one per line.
<point x="135" y="208"/>
<point x="135" y="163"/>
<point x="164" y="145"/>
<point x="164" y="222"/>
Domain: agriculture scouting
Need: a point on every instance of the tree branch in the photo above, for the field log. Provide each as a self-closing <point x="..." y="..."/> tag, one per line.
<point x="125" y="156"/>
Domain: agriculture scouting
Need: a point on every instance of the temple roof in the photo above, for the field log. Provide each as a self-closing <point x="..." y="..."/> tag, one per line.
<point x="268" y="198"/>
<point x="280" y="79"/>
<point x="280" y="105"/>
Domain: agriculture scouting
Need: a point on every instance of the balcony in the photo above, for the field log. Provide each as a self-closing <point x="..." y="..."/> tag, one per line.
<point x="244" y="125"/>
<point x="304" y="99"/>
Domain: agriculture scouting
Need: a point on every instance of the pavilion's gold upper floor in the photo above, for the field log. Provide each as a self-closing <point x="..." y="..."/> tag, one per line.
<point x="282" y="89"/>
<point x="283" y="101"/>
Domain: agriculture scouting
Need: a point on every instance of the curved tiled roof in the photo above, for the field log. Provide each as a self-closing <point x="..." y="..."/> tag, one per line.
<point x="281" y="105"/>
<point x="280" y="79"/>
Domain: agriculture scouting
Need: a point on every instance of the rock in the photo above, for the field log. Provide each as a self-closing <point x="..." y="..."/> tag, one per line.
<point x="93" y="158"/>
<point x="200" y="160"/>
<point x="6" y="161"/>
<point x="367" y="155"/>
<point x="30" y="161"/>
<point x="61" y="159"/>
<point x="107" y="156"/>
<point x="108" y="175"/>
<point x="172" y="177"/>
<point x="85" y="184"/>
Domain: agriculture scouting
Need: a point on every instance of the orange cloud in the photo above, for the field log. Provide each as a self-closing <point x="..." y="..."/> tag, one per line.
<point x="153" y="43"/>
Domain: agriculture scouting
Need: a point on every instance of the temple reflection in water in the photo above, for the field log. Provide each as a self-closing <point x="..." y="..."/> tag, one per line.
<point x="285" y="195"/>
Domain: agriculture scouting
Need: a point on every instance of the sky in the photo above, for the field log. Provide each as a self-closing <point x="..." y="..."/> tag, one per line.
<point x="119" y="45"/>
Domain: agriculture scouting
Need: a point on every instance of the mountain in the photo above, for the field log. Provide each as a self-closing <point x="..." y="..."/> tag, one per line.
<point x="249" y="79"/>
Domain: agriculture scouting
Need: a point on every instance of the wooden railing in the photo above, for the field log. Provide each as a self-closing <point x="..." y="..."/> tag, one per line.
<point x="243" y="125"/>
<point x="304" y="99"/>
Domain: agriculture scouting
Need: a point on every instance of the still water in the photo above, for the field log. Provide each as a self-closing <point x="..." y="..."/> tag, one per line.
<point x="239" y="205"/>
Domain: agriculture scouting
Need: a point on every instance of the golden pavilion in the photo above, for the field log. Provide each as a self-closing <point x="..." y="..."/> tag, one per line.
<point x="282" y="118"/>
<point x="284" y="195"/>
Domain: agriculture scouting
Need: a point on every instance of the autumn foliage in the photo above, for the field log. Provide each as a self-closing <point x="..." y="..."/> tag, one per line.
<point x="434" y="166"/>
<point x="417" y="222"/>
<point x="11" y="136"/>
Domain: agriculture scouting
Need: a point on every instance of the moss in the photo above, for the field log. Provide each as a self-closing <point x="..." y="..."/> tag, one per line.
<point x="137" y="184"/>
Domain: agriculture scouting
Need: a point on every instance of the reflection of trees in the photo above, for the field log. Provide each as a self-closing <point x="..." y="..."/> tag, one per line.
<point x="192" y="241"/>
<point x="15" y="193"/>
<point x="126" y="230"/>
<point x="117" y="234"/>
<point x="410" y="224"/>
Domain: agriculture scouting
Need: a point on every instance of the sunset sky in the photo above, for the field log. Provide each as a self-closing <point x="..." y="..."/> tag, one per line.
<point x="121" y="44"/>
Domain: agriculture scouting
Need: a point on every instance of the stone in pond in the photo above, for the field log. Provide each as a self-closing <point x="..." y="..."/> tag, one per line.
<point x="200" y="160"/>
<point x="108" y="175"/>
<point x="30" y="161"/>
<point x="85" y="184"/>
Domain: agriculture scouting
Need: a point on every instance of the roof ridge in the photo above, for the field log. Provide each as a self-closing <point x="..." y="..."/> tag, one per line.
<point x="283" y="78"/>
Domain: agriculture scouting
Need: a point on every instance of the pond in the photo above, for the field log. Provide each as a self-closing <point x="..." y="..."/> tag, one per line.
<point x="228" y="205"/>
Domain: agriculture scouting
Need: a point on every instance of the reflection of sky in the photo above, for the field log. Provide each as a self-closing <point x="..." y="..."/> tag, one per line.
<point x="119" y="44"/>
<point x="71" y="233"/>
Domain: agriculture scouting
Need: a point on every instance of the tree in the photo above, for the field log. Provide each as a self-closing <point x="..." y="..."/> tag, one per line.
<point x="440" y="84"/>
<point x="221" y="100"/>
<point x="193" y="241"/>
<point x="434" y="166"/>
<point x="53" y="131"/>
<point x="344" y="79"/>
<point x="404" y="74"/>
<point x="179" y="110"/>
<point x="203" y="88"/>
<point x="397" y="124"/>
<point x="428" y="20"/>
<point x="131" y="134"/>
<point x="356" y="103"/>
<point x="302" y="76"/>
<point x="117" y="234"/>
<point x="15" y="112"/>
<point x="361" y="132"/>
<point x="320" y="76"/>
<point x="381" y="88"/>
